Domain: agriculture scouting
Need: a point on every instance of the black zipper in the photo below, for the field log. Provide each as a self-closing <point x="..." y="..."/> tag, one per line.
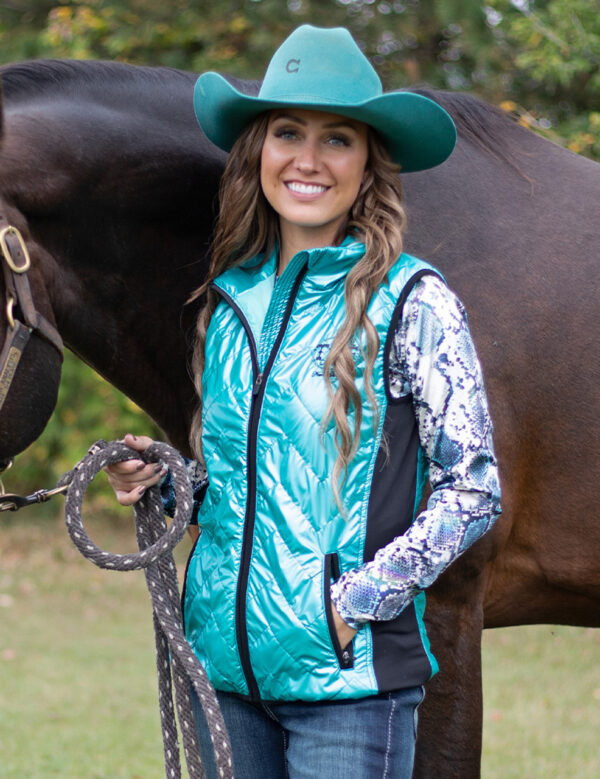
<point x="185" y="575"/>
<point x="331" y="572"/>
<point x="258" y="391"/>
<point x="245" y="325"/>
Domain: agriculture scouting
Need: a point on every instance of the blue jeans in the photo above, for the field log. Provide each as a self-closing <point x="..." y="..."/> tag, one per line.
<point x="366" y="738"/>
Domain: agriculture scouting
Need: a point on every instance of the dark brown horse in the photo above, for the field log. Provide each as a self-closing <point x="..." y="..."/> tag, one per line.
<point x="105" y="172"/>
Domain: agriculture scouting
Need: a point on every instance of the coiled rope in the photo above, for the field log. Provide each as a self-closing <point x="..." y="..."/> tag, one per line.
<point x="176" y="663"/>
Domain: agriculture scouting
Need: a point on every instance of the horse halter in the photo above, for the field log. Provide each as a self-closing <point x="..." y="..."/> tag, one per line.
<point x="15" y="264"/>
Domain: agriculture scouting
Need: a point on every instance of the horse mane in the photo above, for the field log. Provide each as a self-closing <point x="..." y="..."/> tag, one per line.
<point x="478" y="122"/>
<point x="43" y="77"/>
<point x="49" y="76"/>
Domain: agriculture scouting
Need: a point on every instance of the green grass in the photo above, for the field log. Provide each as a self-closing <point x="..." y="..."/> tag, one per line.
<point x="78" y="688"/>
<point x="77" y="675"/>
<point x="541" y="702"/>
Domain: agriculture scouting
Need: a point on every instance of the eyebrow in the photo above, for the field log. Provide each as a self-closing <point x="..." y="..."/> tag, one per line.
<point x="341" y="123"/>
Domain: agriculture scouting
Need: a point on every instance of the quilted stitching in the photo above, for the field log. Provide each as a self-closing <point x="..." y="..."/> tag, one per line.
<point x="227" y="401"/>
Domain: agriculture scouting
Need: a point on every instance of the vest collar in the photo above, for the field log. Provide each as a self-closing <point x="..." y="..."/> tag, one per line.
<point x="330" y="263"/>
<point x="326" y="265"/>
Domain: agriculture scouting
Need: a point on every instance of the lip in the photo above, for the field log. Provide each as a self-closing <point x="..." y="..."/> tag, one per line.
<point x="306" y="190"/>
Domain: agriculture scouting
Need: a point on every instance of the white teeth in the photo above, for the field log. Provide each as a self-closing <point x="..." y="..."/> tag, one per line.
<point x="305" y="189"/>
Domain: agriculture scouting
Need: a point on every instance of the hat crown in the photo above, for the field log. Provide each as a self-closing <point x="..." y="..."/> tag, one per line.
<point x="320" y="66"/>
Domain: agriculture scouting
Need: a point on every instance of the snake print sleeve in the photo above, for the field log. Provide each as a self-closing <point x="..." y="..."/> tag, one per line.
<point x="432" y="356"/>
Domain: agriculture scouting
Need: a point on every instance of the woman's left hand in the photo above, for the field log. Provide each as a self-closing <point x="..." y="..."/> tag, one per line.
<point x="345" y="633"/>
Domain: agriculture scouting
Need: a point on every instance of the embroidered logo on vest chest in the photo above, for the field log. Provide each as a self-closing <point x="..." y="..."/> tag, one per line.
<point x="321" y="351"/>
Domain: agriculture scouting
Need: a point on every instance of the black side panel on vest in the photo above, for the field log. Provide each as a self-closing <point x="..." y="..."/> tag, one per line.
<point x="392" y="497"/>
<point x="399" y="659"/>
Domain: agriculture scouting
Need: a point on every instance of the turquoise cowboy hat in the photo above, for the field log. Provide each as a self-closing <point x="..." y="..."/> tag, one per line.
<point x="323" y="69"/>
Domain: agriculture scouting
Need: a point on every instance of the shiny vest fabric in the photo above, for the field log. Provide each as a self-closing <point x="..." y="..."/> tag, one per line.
<point x="256" y="602"/>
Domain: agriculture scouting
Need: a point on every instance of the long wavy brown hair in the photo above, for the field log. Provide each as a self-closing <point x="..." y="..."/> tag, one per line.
<point x="247" y="225"/>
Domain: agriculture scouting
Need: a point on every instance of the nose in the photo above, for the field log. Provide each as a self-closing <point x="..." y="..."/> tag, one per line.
<point x="308" y="158"/>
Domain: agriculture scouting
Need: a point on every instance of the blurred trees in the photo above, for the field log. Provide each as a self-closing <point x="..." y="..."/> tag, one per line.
<point x="550" y="50"/>
<point x="443" y="42"/>
<point x="538" y="59"/>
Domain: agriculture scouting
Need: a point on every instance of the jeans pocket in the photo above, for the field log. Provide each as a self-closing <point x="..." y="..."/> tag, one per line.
<point x="331" y="572"/>
<point x="421" y="690"/>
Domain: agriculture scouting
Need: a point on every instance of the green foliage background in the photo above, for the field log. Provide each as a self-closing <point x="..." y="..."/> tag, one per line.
<point x="538" y="59"/>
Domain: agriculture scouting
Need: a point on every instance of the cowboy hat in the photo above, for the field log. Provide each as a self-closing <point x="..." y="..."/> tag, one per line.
<point x="323" y="69"/>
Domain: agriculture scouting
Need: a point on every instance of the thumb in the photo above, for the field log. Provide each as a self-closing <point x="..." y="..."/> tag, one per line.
<point x="138" y="442"/>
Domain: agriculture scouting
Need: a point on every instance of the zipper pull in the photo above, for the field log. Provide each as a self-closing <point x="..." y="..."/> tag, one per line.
<point x="257" y="383"/>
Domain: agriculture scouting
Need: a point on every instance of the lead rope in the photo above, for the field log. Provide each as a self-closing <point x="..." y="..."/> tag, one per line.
<point x="175" y="661"/>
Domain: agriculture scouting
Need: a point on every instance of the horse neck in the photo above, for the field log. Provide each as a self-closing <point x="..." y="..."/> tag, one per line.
<point x="128" y="322"/>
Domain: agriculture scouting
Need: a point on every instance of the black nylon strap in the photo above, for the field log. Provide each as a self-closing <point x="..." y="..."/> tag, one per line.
<point x="12" y="351"/>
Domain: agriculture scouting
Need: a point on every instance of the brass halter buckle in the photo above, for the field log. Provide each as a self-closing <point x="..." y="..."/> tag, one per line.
<point x="10" y="304"/>
<point x="6" y="252"/>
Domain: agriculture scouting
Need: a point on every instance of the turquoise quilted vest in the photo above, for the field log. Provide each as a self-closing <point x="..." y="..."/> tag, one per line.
<point x="256" y="601"/>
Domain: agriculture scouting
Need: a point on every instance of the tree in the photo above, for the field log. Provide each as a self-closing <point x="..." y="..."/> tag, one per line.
<point x="555" y="51"/>
<point x="443" y="42"/>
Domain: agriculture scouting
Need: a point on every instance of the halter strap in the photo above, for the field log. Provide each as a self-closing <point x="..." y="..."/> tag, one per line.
<point x="15" y="261"/>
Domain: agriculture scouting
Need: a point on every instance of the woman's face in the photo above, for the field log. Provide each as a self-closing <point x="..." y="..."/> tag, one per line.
<point x="312" y="167"/>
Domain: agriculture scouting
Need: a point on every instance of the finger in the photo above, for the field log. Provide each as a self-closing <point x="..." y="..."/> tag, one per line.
<point x="125" y="467"/>
<point x="138" y="442"/>
<point x="133" y="469"/>
<point x="141" y="475"/>
<point x="155" y="477"/>
<point x="149" y="481"/>
<point x="134" y="481"/>
<point x="152" y="472"/>
<point x="128" y="498"/>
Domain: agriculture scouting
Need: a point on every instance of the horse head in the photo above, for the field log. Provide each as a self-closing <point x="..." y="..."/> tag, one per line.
<point x="30" y="347"/>
<point x="104" y="171"/>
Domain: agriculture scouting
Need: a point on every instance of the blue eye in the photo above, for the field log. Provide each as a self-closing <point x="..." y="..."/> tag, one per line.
<point x="338" y="140"/>
<point x="286" y="134"/>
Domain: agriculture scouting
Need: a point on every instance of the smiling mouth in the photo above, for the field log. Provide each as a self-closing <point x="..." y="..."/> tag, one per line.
<point x="306" y="189"/>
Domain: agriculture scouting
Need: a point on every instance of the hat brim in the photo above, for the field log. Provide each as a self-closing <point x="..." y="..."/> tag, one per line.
<point x="417" y="131"/>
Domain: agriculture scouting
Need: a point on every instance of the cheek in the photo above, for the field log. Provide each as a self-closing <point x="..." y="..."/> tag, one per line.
<point x="355" y="180"/>
<point x="263" y="183"/>
<point x="269" y="178"/>
<point x="353" y="172"/>
<point x="264" y="168"/>
<point x="270" y="166"/>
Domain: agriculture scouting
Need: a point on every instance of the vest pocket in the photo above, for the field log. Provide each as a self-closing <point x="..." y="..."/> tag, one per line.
<point x="331" y="573"/>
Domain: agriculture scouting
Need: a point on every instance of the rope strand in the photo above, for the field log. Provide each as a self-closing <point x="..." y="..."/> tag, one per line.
<point x="176" y="663"/>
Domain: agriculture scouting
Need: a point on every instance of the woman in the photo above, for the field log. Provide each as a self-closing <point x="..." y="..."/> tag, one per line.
<point x="333" y="371"/>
